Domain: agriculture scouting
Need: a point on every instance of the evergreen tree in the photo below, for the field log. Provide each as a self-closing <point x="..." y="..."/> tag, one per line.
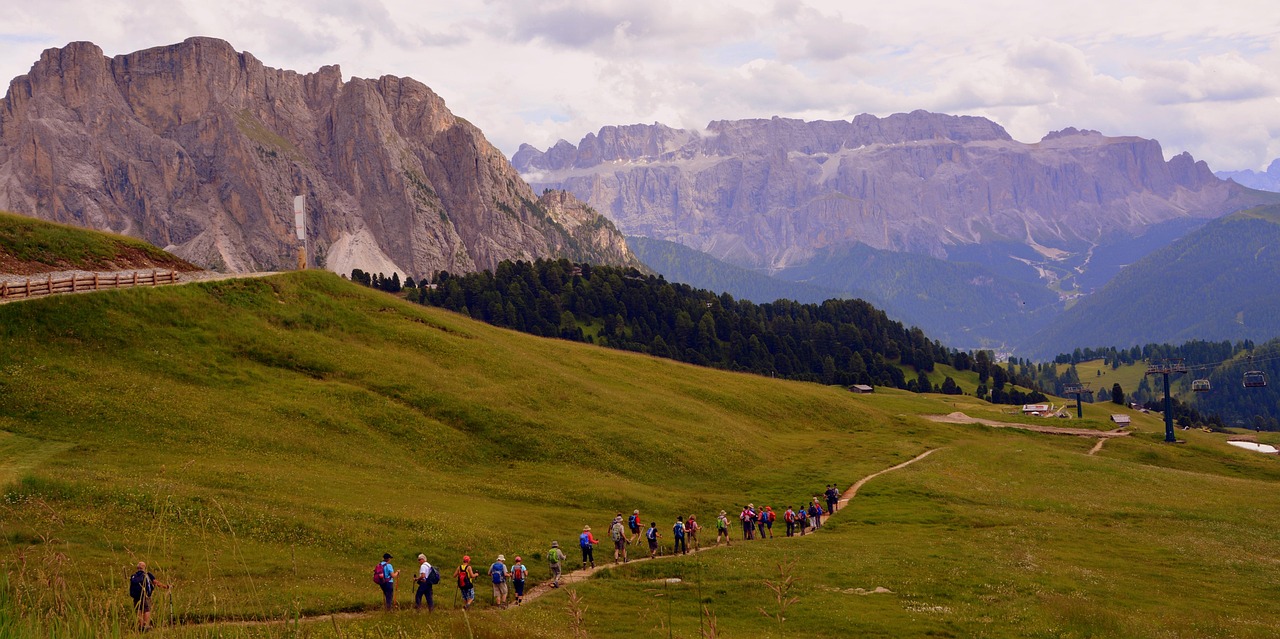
<point x="1117" y="394"/>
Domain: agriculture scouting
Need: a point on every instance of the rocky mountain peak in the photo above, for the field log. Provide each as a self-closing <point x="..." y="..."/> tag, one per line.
<point x="199" y="148"/>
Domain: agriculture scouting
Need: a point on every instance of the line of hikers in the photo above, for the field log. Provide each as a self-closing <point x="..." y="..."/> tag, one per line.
<point x="684" y="532"/>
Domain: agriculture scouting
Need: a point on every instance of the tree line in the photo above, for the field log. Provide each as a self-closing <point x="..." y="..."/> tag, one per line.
<point x="837" y="342"/>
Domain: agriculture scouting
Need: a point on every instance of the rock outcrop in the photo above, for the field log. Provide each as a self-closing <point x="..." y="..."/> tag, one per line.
<point x="772" y="193"/>
<point x="200" y="149"/>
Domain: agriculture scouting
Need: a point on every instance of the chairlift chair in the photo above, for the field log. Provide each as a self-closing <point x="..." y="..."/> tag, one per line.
<point x="1255" y="379"/>
<point x="1200" y="385"/>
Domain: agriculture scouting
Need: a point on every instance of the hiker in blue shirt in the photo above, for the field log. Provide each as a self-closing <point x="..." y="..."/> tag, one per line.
<point x="388" y="583"/>
<point x="499" y="573"/>
<point x="677" y="531"/>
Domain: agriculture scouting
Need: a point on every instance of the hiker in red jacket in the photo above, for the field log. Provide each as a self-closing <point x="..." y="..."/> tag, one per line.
<point x="587" y="542"/>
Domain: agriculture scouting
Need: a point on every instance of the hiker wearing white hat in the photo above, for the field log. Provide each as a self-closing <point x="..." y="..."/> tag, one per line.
<point x="499" y="573"/>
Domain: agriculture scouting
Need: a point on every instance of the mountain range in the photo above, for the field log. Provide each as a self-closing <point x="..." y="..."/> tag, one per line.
<point x="1217" y="283"/>
<point x="1268" y="180"/>
<point x="990" y="238"/>
<point x="200" y="149"/>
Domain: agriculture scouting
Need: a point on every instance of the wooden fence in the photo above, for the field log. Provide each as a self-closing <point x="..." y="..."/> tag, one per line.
<point x="78" y="283"/>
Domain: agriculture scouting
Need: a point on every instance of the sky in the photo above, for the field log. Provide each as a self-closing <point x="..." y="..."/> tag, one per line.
<point x="1198" y="76"/>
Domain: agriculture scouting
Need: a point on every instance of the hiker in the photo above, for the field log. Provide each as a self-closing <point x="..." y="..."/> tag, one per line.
<point x="748" y="517"/>
<point x="722" y="528"/>
<point x="802" y="520"/>
<point x="556" y="557"/>
<point x="833" y="497"/>
<point x="466" y="576"/>
<point x="388" y="583"/>
<point x="141" y="585"/>
<point x="815" y="514"/>
<point x="652" y="536"/>
<point x="619" y="537"/>
<point x="518" y="574"/>
<point x="789" y="518"/>
<point x="633" y="522"/>
<point x="691" y="528"/>
<point x="677" y="531"/>
<point x="587" y="542"/>
<point x="499" y="573"/>
<point x="766" y="521"/>
<point x="427" y="578"/>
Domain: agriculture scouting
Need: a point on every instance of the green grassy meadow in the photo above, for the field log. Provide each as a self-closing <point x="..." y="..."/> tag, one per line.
<point x="261" y="442"/>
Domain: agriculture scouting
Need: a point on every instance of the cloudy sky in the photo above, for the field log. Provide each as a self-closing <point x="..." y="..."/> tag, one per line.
<point x="1199" y="76"/>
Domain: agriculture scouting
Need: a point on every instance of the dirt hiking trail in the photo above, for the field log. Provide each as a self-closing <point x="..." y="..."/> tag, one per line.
<point x="569" y="578"/>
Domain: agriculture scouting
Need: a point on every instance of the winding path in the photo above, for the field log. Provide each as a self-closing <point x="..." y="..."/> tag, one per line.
<point x="576" y="576"/>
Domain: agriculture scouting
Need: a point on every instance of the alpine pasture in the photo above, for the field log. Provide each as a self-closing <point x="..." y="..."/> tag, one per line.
<point x="261" y="442"/>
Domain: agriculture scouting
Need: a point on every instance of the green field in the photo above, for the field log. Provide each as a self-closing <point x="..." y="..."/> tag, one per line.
<point x="261" y="442"/>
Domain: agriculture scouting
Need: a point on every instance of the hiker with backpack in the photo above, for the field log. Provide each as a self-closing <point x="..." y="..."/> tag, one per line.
<point x="748" y="517"/>
<point x="722" y="528"/>
<point x="619" y="537"/>
<point x="766" y="521"/>
<point x="587" y="542"/>
<point x="141" y="585"/>
<point x="815" y="515"/>
<point x="466" y="576"/>
<point x="518" y="574"/>
<point x="498" y="571"/>
<point x="789" y="518"/>
<point x="651" y="535"/>
<point x="385" y="576"/>
<point x="633" y="522"/>
<point x="556" y="558"/>
<point x="833" y="497"/>
<point x="691" y="528"/>
<point x="427" y="578"/>
<point x="677" y="533"/>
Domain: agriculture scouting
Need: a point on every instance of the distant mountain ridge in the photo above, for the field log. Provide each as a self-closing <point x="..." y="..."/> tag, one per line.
<point x="1268" y="180"/>
<point x="200" y="149"/>
<point x="771" y="193"/>
<point x="1216" y="283"/>
<point x="783" y="196"/>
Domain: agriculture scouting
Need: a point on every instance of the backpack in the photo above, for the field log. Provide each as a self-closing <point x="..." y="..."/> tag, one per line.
<point x="464" y="580"/>
<point x="616" y="531"/>
<point x="772" y="517"/>
<point x="518" y="572"/>
<point x="651" y="534"/>
<point x="433" y="576"/>
<point x="632" y="522"/>
<point x="584" y="540"/>
<point x="379" y="574"/>
<point x="678" y="529"/>
<point x="555" y="556"/>
<point x="138" y="583"/>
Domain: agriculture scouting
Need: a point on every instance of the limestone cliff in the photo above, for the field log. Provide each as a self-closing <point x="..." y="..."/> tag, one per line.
<point x="200" y="149"/>
<point x="772" y="193"/>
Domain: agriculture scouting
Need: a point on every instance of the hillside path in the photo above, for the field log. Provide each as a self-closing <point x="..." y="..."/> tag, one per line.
<point x="569" y="578"/>
<point x="961" y="418"/>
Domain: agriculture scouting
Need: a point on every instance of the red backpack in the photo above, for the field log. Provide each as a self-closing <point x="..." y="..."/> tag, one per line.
<point x="379" y="574"/>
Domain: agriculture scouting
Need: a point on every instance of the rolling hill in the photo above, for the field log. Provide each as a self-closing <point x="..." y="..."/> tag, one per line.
<point x="1217" y="283"/>
<point x="261" y="442"/>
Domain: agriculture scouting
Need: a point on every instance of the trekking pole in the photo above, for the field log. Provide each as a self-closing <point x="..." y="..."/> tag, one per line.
<point x="173" y="617"/>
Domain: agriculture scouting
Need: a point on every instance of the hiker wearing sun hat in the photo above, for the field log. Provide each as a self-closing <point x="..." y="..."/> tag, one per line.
<point x="722" y="528"/>
<point x="587" y="542"/>
<point x="499" y="573"/>
<point x="556" y="557"/>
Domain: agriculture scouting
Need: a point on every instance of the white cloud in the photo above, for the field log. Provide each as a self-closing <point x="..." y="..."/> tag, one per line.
<point x="1202" y="77"/>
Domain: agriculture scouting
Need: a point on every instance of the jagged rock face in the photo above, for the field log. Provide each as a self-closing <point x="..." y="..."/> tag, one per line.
<point x="769" y="193"/>
<point x="200" y="149"/>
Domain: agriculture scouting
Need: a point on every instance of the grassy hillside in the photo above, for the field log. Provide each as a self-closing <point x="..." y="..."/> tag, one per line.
<point x="29" y="246"/>
<point x="1230" y="266"/>
<point x="261" y="442"/>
